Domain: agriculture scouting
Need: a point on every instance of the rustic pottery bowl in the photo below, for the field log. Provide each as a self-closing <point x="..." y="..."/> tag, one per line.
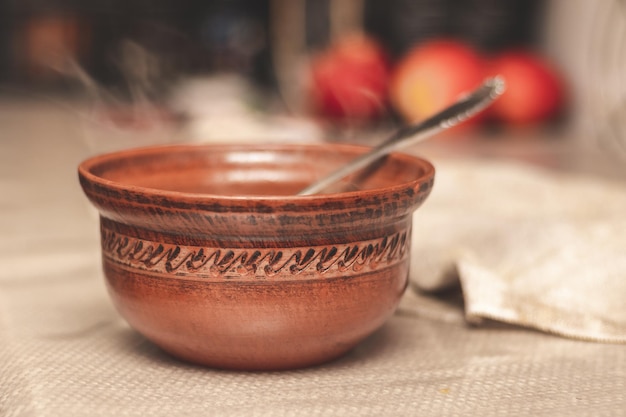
<point x="208" y="252"/>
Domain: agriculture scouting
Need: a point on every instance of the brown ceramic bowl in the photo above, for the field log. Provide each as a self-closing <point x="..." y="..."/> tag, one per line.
<point x="208" y="253"/>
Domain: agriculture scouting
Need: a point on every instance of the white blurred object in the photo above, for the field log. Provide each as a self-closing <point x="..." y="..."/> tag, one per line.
<point x="607" y="78"/>
<point x="587" y="39"/>
<point x="224" y="108"/>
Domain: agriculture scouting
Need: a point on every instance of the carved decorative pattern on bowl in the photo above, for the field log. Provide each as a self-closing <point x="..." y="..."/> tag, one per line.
<point x="254" y="264"/>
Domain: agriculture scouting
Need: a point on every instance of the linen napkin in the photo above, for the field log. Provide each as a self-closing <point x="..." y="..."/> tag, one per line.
<point x="528" y="246"/>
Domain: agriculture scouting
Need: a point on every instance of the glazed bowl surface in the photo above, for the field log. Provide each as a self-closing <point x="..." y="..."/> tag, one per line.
<point x="208" y="252"/>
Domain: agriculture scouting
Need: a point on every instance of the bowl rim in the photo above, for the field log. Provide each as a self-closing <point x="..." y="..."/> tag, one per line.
<point x="85" y="167"/>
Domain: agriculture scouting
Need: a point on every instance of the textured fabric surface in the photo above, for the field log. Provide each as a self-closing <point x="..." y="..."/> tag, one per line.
<point x="64" y="351"/>
<point x="528" y="246"/>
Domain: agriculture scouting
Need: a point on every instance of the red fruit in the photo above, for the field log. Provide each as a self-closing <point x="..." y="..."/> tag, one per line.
<point x="535" y="91"/>
<point x="350" y="79"/>
<point x="432" y="76"/>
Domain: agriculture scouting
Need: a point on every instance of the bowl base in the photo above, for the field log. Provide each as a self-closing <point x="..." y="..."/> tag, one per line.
<point x="249" y="364"/>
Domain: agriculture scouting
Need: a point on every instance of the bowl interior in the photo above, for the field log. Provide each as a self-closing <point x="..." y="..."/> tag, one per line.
<point x="249" y="170"/>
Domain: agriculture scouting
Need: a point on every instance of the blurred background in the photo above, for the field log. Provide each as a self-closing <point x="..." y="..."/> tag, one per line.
<point x="305" y="70"/>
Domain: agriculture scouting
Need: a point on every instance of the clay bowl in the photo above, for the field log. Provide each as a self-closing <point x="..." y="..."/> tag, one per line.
<point x="208" y="253"/>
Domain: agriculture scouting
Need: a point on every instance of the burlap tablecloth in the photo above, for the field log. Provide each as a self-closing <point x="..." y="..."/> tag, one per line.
<point x="65" y="352"/>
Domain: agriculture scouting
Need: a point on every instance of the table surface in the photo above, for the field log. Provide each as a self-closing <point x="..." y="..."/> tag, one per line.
<point x="64" y="351"/>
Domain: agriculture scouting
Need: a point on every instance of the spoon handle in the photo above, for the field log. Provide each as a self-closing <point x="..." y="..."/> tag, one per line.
<point x="460" y="111"/>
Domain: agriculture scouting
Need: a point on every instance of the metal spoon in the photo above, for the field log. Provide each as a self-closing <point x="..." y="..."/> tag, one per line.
<point x="462" y="110"/>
